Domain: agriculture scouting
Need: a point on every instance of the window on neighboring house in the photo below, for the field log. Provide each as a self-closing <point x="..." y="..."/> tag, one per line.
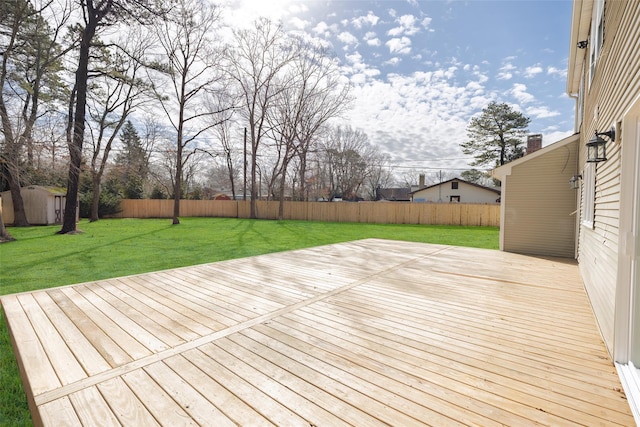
<point x="597" y="35"/>
<point x="454" y="199"/>
<point x="454" y="185"/>
<point x="588" y="194"/>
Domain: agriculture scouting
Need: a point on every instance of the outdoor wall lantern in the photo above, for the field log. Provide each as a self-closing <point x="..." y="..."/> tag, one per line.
<point x="596" y="147"/>
<point x="574" y="181"/>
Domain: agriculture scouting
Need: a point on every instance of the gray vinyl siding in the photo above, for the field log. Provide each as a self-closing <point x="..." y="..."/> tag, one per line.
<point x="540" y="206"/>
<point x="614" y="87"/>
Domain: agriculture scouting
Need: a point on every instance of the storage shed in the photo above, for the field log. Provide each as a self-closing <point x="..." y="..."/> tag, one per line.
<point x="43" y="205"/>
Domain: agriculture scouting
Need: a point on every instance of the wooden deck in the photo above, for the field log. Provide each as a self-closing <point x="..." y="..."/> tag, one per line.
<point x="365" y="333"/>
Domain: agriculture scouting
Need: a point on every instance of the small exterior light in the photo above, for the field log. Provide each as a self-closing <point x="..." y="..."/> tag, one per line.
<point x="582" y="44"/>
<point x="574" y="181"/>
<point x="597" y="146"/>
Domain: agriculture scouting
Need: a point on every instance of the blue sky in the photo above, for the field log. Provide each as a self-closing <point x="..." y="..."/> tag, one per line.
<point x="421" y="69"/>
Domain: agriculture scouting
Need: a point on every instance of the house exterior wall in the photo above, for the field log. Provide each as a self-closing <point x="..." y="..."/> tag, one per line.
<point x="607" y="95"/>
<point x="539" y="206"/>
<point x="468" y="193"/>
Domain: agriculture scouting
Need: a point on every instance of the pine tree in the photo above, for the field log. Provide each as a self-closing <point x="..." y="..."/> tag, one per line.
<point x="132" y="163"/>
<point x="496" y="136"/>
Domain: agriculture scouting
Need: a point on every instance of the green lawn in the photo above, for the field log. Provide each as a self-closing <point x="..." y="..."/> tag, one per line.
<point x="39" y="259"/>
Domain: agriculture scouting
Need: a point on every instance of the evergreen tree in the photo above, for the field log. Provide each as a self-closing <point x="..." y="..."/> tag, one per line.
<point x="132" y="163"/>
<point x="496" y="136"/>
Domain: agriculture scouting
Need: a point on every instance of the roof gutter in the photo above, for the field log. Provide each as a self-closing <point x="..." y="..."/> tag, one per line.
<point x="580" y="26"/>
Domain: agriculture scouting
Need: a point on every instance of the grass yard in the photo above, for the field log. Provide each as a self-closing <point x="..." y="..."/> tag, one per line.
<point x="111" y="248"/>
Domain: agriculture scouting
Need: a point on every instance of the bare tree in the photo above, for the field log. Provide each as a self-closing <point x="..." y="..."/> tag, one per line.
<point x="312" y="95"/>
<point x="31" y="60"/>
<point x="347" y="157"/>
<point x="120" y="90"/>
<point x="191" y="71"/>
<point x="96" y="15"/>
<point x="223" y="121"/>
<point x="379" y="175"/>
<point x="255" y="62"/>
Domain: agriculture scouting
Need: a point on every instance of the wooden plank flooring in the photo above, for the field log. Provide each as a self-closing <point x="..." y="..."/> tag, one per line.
<point x="365" y="333"/>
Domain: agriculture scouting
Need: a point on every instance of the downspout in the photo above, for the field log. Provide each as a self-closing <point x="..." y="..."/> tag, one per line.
<point x="576" y="243"/>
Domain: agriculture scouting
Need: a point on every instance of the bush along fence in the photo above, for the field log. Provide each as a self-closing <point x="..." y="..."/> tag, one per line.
<point x="369" y="212"/>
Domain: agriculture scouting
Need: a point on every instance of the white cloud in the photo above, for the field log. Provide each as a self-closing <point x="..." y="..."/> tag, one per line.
<point x="532" y="71"/>
<point x="298" y="23"/>
<point x="541" y="112"/>
<point x="407" y="26"/>
<point x="348" y="39"/>
<point x="420" y="116"/>
<point x="557" y="72"/>
<point x="372" y="39"/>
<point x="506" y="71"/>
<point x="323" y="29"/>
<point x="370" y="19"/>
<point x="549" y="136"/>
<point x="425" y="22"/>
<point x="399" y="45"/>
<point x="519" y="92"/>
<point x="393" y="61"/>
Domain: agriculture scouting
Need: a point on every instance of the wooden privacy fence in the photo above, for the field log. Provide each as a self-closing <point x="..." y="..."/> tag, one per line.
<point x="370" y="212"/>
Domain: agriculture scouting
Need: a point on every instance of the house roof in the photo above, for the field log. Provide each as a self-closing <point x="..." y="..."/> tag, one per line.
<point x="505" y="170"/>
<point x="402" y="193"/>
<point x="459" y="180"/>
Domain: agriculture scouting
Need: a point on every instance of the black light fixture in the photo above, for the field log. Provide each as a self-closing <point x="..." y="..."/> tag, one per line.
<point x="574" y="181"/>
<point x="596" y="147"/>
<point x="582" y="44"/>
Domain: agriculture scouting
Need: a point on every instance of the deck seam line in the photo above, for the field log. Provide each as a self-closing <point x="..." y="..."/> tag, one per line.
<point x="52" y="395"/>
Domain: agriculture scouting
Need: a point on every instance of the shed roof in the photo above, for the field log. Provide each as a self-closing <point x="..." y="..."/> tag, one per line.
<point x="54" y="191"/>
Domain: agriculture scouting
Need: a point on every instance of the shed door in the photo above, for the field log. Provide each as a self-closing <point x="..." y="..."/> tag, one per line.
<point x="58" y="209"/>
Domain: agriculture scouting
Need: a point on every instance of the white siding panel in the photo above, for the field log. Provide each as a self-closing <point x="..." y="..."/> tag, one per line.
<point x="614" y="87"/>
<point x="540" y="206"/>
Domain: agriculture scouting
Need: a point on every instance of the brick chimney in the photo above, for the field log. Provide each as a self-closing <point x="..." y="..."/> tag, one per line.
<point x="534" y="143"/>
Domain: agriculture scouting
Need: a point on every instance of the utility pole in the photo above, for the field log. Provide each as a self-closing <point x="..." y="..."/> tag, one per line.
<point x="440" y="186"/>
<point x="244" y="191"/>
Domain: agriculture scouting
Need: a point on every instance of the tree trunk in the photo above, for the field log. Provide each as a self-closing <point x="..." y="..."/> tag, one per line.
<point x="11" y="156"/>
<point x="177" y="187"/>
<point x="283" y="182"/>
<point x="75" y="148"/>
<point x="95" y="200"/>
<point x="19" y="213"/>
<point x="4" y="234"/>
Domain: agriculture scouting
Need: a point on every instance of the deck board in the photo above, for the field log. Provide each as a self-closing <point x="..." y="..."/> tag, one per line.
<point x="364" y="333"/>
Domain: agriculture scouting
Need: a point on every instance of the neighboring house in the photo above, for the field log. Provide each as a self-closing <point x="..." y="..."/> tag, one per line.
<point x="42" y="205"/>
<point x="604" y="78"/>
<point x="394" y="194"/>
<point x="456" y="190"/>
<point x="537" y="214"/>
